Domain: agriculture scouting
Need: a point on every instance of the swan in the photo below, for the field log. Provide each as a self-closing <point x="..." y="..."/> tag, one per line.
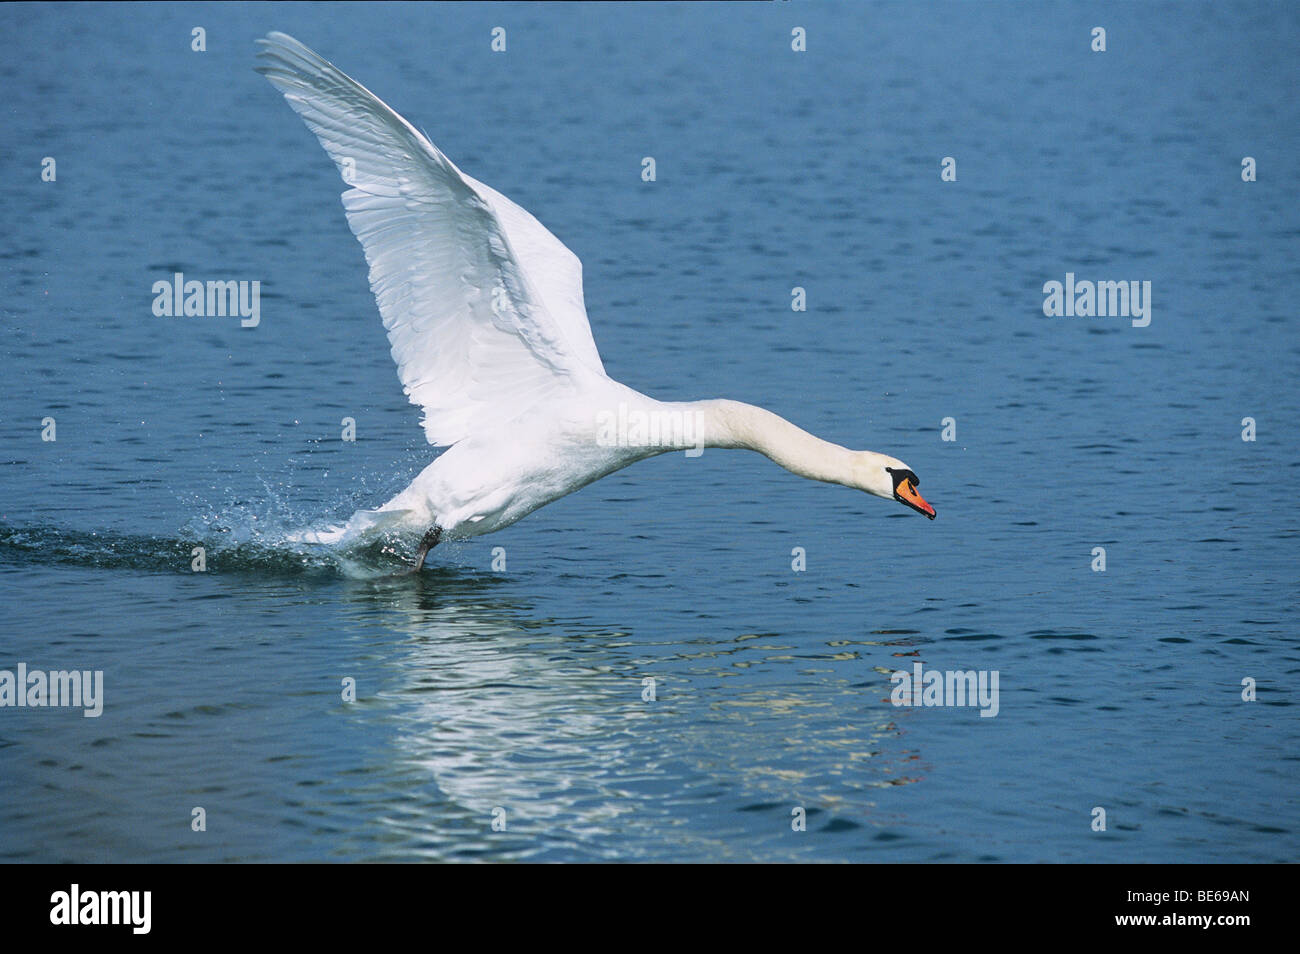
<point x="485" y="315"/>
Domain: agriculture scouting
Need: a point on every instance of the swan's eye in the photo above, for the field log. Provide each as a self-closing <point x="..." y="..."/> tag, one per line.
<point x="902" y="478"/>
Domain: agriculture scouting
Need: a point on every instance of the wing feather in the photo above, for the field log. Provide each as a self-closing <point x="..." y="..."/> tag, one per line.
<point x="482" y="304"/>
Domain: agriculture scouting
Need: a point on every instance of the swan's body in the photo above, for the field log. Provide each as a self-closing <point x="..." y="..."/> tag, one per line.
<point x="485" y="314"/>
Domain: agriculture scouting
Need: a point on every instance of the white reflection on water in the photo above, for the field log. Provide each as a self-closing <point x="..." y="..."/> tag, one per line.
<point x="494" y="708"/>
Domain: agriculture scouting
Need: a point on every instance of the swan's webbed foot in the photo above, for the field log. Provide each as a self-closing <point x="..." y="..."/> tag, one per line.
<point x="427" y="543"/>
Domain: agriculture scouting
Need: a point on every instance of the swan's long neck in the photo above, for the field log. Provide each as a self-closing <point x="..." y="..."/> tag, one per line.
<point x="734" y="424"/>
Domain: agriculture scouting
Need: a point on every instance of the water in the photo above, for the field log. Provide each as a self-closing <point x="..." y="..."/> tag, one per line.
<point x="522" y="689"/>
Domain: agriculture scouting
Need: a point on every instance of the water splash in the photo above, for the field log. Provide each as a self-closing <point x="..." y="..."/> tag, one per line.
<point x="236" y="542"/>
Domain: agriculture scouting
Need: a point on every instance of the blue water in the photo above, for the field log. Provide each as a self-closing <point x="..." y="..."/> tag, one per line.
<point x="521" y="688"/>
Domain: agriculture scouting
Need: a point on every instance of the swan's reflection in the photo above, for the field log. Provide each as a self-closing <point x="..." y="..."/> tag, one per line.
<point x="500" y="710"/>
<point x="497" y="708"/>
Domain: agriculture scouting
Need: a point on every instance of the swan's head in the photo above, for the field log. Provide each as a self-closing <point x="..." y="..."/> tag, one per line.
<point x="890" y="478"/>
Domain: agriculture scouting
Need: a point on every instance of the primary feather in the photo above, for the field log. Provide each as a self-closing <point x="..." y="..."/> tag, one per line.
<point x="482" y="304"/>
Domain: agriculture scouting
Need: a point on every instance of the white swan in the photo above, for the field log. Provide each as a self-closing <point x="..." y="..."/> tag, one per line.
<point x="485" y="315"/>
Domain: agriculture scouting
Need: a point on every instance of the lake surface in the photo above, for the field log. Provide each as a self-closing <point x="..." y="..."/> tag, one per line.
<point x="521" y="688"/>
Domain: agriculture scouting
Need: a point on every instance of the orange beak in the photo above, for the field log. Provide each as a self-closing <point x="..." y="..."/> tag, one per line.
<point x="908" y="495"/>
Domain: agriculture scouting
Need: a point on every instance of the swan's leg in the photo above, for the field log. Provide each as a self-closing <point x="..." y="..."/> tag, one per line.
<point x="427" y="543"/>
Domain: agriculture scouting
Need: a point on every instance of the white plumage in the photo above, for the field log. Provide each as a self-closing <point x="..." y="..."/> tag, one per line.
<point x="485" y="315"/>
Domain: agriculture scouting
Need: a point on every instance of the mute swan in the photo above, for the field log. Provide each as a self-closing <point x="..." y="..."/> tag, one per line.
<point x="485" y="315"/>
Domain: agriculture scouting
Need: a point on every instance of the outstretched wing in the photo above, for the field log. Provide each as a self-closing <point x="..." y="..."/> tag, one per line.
<point x="482" y="304"/>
